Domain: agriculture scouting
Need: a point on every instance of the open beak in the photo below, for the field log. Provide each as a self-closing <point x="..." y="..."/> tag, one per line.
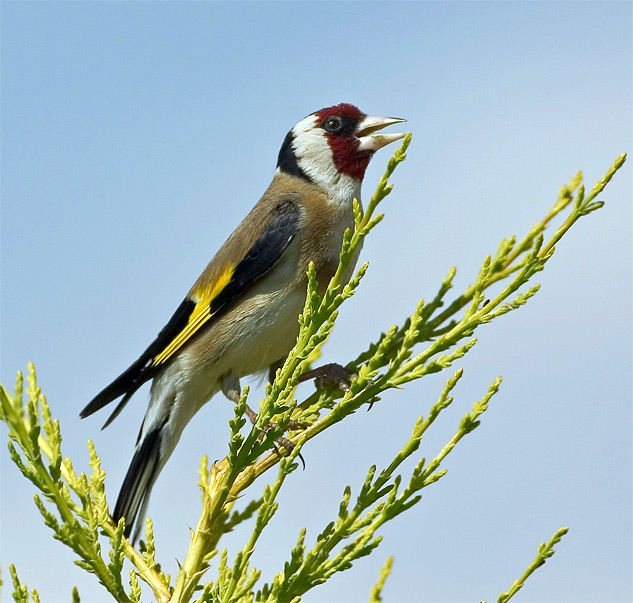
<point x="368" y="141"/>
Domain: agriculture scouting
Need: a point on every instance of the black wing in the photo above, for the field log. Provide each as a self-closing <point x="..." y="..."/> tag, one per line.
<point x="191" y="316"/>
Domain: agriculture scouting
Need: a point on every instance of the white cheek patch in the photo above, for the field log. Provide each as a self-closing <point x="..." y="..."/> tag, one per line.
<point x="314" y="157"/>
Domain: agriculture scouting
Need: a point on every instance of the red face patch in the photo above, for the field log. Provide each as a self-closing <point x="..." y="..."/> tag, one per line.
<point x="340" y="123"/>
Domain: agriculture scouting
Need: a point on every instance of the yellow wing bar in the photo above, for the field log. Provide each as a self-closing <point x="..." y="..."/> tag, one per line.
<point x="200" y="315"/>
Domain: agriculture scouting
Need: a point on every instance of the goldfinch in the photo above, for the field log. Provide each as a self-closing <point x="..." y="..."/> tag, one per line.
<point x="240" y="316"/>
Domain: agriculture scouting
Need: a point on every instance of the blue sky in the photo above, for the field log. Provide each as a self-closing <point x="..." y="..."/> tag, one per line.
<point x="135" y="136"/>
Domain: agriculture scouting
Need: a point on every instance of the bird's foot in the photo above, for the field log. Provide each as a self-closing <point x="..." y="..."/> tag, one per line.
<point x="330" y="375"/>
<point x="230" y="386"/>
<point x="280" y="442"/>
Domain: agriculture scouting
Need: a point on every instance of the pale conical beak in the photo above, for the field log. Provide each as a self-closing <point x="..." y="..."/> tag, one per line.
<point x="368" y="141"/>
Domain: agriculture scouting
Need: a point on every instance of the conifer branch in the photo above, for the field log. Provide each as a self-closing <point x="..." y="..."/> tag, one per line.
<point x="432" y="339"/>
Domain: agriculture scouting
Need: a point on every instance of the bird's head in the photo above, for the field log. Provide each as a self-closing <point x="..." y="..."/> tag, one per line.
<point x="332" y="147"/>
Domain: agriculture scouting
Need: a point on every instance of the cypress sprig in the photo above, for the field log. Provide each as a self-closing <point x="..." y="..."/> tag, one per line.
<point x="20" y="591"/>
<point x="75" y="508"/>
<point x="375" y="594"/>
<point x="545" y="551"/>
<point x="433" y="338"/>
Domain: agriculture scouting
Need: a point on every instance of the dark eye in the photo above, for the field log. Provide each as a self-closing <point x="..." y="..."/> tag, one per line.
<point x="333" y="124"/>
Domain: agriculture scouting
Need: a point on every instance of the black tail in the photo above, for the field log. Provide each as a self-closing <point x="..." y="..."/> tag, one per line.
<point x="143" y="369"/>
<point x="124" y="385"/>
<point x="137" y="485"/>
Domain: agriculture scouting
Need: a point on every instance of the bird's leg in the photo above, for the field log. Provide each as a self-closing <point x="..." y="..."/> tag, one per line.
<point x="329" y="375"/>
<point x="230" y="386"/>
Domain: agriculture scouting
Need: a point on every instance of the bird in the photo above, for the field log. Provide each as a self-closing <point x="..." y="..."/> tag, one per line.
<point x="241" y="316"/>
